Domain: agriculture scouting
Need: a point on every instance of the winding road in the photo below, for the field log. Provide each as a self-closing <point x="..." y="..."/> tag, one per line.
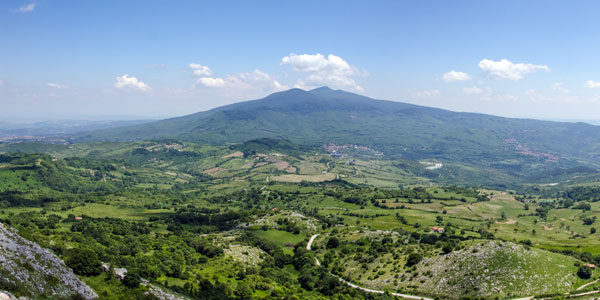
<point x="405" y="296"/>
<point x="581" y="287"/>
<point x="354" y="286"/>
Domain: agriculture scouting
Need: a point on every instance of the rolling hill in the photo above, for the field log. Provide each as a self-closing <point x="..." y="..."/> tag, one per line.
<point x="323" y="115"/>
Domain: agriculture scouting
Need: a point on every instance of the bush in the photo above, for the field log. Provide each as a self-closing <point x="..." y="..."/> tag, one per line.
<point x="413" y="259"/>
<point x="333" y="242"/>
<point x="84" y="262"/>
<point x="584" y="272"/>
<point x="132" y="280"/>
<point x="447" y="248"/>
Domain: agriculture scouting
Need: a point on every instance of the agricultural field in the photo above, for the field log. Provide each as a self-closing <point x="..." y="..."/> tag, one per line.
<point x="234" y="223"/>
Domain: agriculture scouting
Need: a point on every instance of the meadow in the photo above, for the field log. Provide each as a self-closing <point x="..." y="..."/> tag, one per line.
<point x="218" y="223"/>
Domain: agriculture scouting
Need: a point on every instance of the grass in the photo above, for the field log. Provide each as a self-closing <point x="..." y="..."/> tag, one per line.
<point x="155" y="187"/>
<point x="283" y="239"/>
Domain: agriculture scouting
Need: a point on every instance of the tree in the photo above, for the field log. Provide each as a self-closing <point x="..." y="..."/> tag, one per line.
<point x="84" y="262"/>
<point x="589" y="220"/>
<point x="413" y="259"/>
<point x="584" y="272"/>
<point x="333" y="242"/>
<point x="447" y="248"/>
<point x="243" y="291"/>
<point x="132" y="280"/>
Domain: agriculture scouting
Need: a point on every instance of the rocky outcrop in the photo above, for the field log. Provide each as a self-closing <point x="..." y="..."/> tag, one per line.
<point x="33" y="271"/>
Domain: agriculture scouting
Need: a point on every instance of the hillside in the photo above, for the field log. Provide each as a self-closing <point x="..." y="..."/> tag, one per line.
<point x="29" y="270"/>
<point x="324" y="116"/>
<point x="213" y="222"/>
<point x="496" y="268"/>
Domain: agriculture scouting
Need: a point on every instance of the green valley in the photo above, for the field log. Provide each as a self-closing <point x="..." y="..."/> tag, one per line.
<point x="233" y="222"/>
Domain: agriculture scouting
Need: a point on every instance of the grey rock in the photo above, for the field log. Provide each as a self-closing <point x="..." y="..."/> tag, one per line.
<point x="35" y="271"/>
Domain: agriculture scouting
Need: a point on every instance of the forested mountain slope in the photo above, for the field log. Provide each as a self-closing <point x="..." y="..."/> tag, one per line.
<point x="324" y="116"/>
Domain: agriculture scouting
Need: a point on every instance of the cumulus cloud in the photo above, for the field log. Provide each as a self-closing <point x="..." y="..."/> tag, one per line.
<point x="559" y="87"/>
<point x="472" y="90"/>
<point x="504" y="69"/>
<point x="592" y="84"/>
<point x="26" y="8"/>
<point x="125" y="81"/>
<point x="57" y="86"/>
<point x="247" y="81"/>
<point x="331" y="70"/>
<point x="456" y="76"/>
<point x="427" y="94"/>
<point x="200" y="70"/>
<point x="211" y="82"/>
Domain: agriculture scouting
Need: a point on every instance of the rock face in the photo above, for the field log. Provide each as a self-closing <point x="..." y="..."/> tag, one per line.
<point x="33" y="271"/>
<point x="161" y="293"/>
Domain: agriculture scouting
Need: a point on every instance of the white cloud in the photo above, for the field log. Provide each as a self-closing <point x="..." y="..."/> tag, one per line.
<point x="200" y="70"/>
<point x="559" y="87"/>
<point x="131" y="82"/>
<point x="456" y="76"/>
<point x="504" y="69"/>
<point x="26" y="8"/>
<point x="211" y="82"/>
<point x="247" y="81"/>
<point x="472" y="91"/>
<point x="592" y="84"/>
<point x="57" y="86"/>
<point x="427" y="94"/>
<point x="331" y="70"/>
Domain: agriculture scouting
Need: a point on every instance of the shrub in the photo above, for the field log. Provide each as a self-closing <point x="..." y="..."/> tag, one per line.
<point x="333" y="242"/>
<point x="132" y="280"/>
<point x="413" y="259"/>
<point x="84" y="262"/>
<point x="584" y="272"/>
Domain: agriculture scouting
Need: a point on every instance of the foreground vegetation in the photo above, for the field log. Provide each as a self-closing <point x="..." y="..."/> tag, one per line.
<point x="212" y="222"/>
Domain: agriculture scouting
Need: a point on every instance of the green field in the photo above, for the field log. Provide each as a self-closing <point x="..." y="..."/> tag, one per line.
<point x="200" y="221"/>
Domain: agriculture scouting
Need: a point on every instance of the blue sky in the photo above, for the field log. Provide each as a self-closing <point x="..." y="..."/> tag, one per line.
<point x="83" y="59"/>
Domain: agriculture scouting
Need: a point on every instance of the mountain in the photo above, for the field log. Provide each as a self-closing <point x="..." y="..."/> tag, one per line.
<point x="323" y="115"/>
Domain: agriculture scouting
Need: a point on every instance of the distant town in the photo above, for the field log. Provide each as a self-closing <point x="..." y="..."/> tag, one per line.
<point x="64" y="140"/>
<point x="336" y="150"/>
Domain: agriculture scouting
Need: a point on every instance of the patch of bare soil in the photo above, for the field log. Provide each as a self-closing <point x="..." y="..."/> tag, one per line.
<point x="213" y="170"/>
<point x="234" y="154"/>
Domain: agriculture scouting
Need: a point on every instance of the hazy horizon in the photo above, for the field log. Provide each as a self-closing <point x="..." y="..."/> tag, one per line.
<point x="16" y="120"/>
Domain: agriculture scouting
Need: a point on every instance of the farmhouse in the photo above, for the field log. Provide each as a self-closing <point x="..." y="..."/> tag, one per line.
<point x="590" y="265"/>
<point x="437" y="229"/>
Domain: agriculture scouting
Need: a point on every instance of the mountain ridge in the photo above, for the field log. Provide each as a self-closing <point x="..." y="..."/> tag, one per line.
<point x="398" y="129"/>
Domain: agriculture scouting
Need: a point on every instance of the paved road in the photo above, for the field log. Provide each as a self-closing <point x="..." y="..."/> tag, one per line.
<point x="572" y="295"/>
<point x="352" y="285"/>
<point x="587" y="284"/>
<point x="584" y="294"/>
<point x="312" y="239"/>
